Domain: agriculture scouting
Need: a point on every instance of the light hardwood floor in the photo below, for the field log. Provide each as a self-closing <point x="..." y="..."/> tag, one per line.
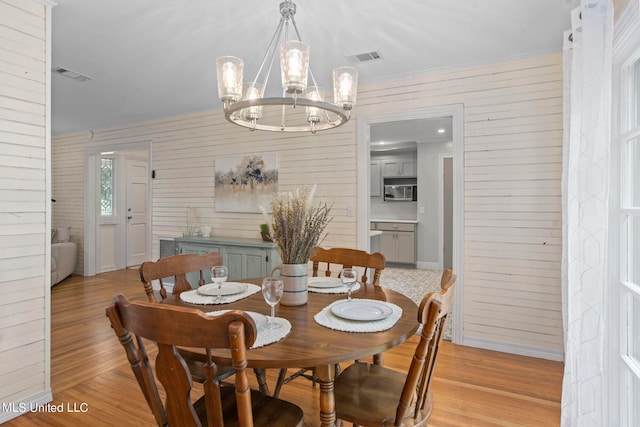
<point x="472" y="387"/>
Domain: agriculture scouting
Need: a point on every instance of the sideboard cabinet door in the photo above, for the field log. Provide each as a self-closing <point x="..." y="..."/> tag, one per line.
<point x="200" y="249"/>
<point x="245" y="262"/>
<point x="245" y="258"/>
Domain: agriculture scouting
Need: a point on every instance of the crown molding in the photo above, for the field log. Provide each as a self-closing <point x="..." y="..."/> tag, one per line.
<point x="49" y="3"/>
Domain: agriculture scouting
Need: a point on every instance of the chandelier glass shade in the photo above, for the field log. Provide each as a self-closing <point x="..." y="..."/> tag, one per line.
<point x="245" y="103"/>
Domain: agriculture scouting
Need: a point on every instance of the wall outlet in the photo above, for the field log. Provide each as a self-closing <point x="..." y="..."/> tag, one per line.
<point x="421" y="209"/>
<point x="350" y="211"/>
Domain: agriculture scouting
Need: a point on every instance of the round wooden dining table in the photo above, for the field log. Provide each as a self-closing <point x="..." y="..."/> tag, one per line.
<point x="310" y="344"/>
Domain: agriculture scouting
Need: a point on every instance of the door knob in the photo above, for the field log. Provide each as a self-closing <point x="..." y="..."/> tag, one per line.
<point x="129" y="217"/>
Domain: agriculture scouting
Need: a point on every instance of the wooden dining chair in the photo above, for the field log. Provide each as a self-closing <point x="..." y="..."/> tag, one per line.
<point x="336" y="259"/>
<point x="170" y="326"/>
<point x="372" y="395"/>
<point x="332" y="261"/>
<point x="176" y="267"/>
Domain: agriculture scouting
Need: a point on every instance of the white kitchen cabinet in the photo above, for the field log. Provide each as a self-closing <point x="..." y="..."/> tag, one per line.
<point x="405" y="246"/>
<point x="391" y="167"/>
<point x="398" y="241"/>
<point x="388" y="246"/>
<point x="399" y="167"/>
<point x="409" y="168"/>
<point x="375" y="179"/>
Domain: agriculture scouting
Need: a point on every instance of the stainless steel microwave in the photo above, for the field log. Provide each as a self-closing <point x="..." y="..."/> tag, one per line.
<point x="400" y="193"/>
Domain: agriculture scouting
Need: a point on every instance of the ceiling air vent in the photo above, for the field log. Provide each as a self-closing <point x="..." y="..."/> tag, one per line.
<point x="364" y="57"/>
<point x="72" y="74"/>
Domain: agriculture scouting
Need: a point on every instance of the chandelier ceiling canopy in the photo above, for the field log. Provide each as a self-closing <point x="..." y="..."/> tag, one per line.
<point x="245" y="104"/>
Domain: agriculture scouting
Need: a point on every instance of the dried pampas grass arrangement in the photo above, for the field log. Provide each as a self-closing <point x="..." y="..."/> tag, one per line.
<point x="193" y="219"/>
<point x="296" y="226"/>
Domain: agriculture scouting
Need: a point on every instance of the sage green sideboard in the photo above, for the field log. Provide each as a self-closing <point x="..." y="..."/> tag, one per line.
<point x="245" y="258"/>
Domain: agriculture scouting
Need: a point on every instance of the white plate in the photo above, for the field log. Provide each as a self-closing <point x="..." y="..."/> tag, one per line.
<point x="324" y="282"/>
<point x="228" y="288"/>
<point x="259" y="319"/>
<point x="361" y="310"/>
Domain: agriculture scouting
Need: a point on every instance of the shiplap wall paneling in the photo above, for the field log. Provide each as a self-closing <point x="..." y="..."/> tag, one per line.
<point x="512" y="140"/>
<point x="24" y="275"/>
<point x="513" y="166"/>
<point x="512" y="211"/>
<point x="184" y="153"/>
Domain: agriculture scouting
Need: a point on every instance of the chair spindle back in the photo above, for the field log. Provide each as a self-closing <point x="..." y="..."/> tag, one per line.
<point x="372" y="263"/>
<point x="177" y="267"/>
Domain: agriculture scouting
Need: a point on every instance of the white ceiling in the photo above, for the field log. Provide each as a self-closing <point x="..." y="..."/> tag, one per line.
<point x="151" y="59"/>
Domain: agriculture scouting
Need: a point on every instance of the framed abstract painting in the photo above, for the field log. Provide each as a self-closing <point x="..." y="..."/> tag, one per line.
<point x="244" y="183"/>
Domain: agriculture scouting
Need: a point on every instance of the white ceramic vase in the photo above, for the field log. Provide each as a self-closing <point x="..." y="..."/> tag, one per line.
<point x="205" y="230"/>
<point x="294" y="278"/>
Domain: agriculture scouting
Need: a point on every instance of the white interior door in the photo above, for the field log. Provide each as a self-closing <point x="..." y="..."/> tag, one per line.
<point x="105" y="206"/>
<point x="137" y="211"/>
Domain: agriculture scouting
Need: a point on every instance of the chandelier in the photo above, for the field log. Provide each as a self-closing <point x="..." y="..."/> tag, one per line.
<point x="245" y="104"/>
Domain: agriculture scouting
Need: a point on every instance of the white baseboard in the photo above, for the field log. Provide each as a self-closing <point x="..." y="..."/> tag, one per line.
<point x="424" y="265"/>
<point x="15" y="409"/>
<point x="514" y="349"/>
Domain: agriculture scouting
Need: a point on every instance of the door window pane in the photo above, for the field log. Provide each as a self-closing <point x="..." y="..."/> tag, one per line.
<point x="634" y="104"/>
<point x="106" y="187"/>
<point x="633" y="173"/>
<point x="633" y="400"/>
<point x="633" y="321"/>
<point x="633" y="250"/>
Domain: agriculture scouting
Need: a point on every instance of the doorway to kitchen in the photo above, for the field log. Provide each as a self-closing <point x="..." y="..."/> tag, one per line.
<point x="429" y="217"/>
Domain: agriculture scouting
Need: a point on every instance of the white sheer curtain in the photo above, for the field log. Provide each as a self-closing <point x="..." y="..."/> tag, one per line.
<point x="585" y="192"/>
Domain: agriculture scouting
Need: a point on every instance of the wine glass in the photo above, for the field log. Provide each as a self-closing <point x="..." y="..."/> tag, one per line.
<point x="219" y="275"/>
<point x="349" y="277"/>
<point x="272" y="290"/>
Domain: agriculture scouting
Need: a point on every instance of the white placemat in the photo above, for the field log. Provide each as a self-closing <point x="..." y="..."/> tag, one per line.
<point x="342" y="289"/>
<point x="329" y="320"/>
<point x="265" y="336"/>
<point x="193" y="297"/>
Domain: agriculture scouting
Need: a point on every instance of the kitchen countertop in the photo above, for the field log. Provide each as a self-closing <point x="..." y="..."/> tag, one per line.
<point x="399" y="221"/>
<point x="373" y="233"/>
